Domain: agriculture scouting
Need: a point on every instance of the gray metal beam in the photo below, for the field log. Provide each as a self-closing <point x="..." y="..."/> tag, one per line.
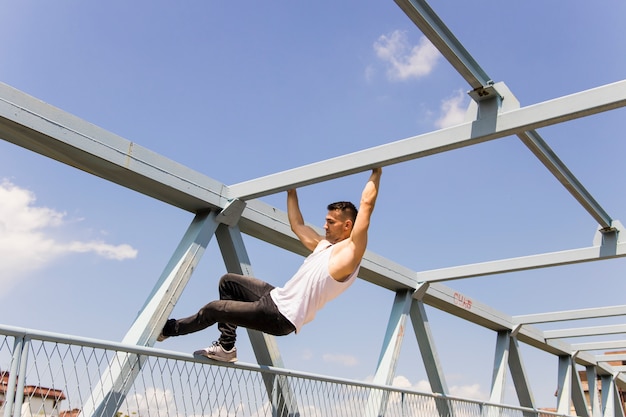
<point x="585" y="331"/>
<point x="587" y="313"/>
<point x="49" y="131"/>
<point x="542" y="151"/>
<point x="544" y="260"/>
<point x="611" y="357"/>
<point x="512" y="122"/>
<point x="606" y="345"/>
<point x="444" y="40"/>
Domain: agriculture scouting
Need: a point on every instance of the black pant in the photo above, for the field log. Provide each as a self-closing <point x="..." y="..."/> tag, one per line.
<point x="244" y="301"/>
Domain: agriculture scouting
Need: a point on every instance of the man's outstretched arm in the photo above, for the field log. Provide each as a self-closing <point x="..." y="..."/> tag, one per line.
<point x="345" y="260"/>
<point x="366" y="208"/>
<point x="307" y="235"/>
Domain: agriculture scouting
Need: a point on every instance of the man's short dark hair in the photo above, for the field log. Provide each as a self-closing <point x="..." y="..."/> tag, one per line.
<point x="347" y="209"/>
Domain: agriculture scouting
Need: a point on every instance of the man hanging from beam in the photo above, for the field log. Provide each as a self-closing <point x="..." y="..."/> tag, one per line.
<point x="328" y="271"/>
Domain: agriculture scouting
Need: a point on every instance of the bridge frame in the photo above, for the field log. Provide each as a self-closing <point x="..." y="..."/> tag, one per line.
<point x="228" y="211"/>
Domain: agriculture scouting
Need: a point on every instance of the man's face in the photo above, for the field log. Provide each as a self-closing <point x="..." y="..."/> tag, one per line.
<point x="337" y="228"/>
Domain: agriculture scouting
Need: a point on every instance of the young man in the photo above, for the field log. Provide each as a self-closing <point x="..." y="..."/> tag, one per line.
<point x="326" y="273"/>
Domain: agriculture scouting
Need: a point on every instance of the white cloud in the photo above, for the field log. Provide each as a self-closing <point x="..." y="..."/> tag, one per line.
<point x="403" y="382"/>
<point x="406" y="61"/>
<point x="472" y="391"/>
<point x="345" y="360"/>
<point x="468" y="391"/>
<point x="26" y="242"/>
<point x="453" y="110"/>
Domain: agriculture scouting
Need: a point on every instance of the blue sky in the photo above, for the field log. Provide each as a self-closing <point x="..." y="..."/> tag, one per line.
<point x="241" y="90"/>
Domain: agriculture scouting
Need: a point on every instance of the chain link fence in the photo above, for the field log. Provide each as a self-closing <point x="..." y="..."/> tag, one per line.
<point x="45" y="374"/>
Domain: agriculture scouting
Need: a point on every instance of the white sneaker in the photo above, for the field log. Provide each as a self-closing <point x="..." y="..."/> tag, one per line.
<point x="218" y="353"/>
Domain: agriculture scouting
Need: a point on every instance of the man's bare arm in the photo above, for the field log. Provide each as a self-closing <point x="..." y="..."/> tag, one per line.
<point x="366" y="207"/>
<point x="349" y="253"/>
<point x="307" y="235"/>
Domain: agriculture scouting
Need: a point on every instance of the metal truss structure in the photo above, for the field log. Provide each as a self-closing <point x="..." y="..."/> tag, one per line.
<point x="228" y="211"/>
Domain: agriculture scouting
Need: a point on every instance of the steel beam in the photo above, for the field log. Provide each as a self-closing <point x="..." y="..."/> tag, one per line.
<point x="544" y="260"/>
<point x="49" y="131"/>
<point x="611" y="357"/>
<point x="550" y="160"/>
<point x="611" y="344"/>
<point x="444" y="40"/>
<point x="585" y="331"/>
<point x="585" y="103"/>
<point x="587" y="313"/>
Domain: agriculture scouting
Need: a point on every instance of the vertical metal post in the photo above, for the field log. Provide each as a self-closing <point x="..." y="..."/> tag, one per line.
<point x="21" y="378"/>
<point x="594" y="391"/>
<point x="15" y="389"/>
<point x="500" y="363"/>
<point x="108" y="395"/>
<point x="564" y="393"/>
<point x="611" y="402"/>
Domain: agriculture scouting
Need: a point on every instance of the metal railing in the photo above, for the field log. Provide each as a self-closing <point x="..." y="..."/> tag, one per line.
<point x="47" y="374"/>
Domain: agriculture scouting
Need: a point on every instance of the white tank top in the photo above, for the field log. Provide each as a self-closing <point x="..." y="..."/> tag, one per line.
<point x="309" y="289"/>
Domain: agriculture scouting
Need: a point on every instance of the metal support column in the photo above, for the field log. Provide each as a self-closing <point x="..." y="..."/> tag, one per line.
<point x="594" y="391"/>
<point x="564" y="393"/>
<point x="500" y="363"/>
<point x="111" y="390"/>
<point x="611" y="403"/>
<point x="14" y="396"/>
<point x="390" y="352"/>
<point x="508" y="354"/>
